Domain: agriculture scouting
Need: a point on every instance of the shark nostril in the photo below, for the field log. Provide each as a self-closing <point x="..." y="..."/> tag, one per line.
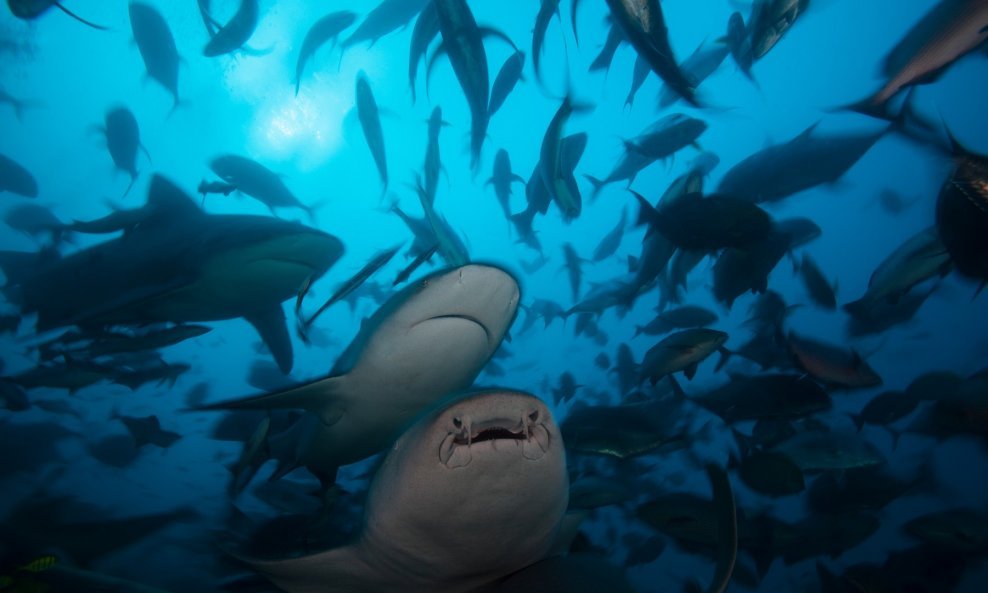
<point x="457" y="423"/>
<point x="534" y="416"/>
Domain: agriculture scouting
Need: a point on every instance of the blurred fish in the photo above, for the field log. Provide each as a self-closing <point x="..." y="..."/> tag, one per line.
<point x="428" y="183"/>
<point x="738" y="270"/>
<point x="961" y="530"/>
<point x="425" y="30"/>
<point x="235" y="33"/>
<point x="893" y="203"/>
<point x="566" y="389"/>
<point x="556" y="172"/>
<point x="157" y="46"/>
<point x="703" y="62"/>
<point x="644" y="552"/>
<point x="70" y="375"/>
<point x="463" y="43"/>
<point x="821" y="291"/>
<point x="16" y="179"/>
<point x="739" y="42"/>
<point x="806" y="161"/>
<point x="865" y="489"/>
<point x="918" y="259"/>
<point x="32" y="9"/>
<point x="122" y="140"/>
<point x="574" y="269"/>
<point x="370" y="122"/>
<point x="501" y="178"/>
<point x="765" y="397"/>
<point x="546" y="310"/>
<point x="159" y="374"/>
<point x="615" y="37"/>
<point x="146" y="430"/>
<point x="116" y="343"/>
<point x="770" y="474"/>
<point x="258" y="182"/>
<point x="770" y="20"/>
<point x="547" y="9"/>
<point x="962" y="208"/>
<point x="610" y="242"/>
<point x="12" y="396"/>
<point x="420" y="259"/>
<point x="215" y="187"/>
<point x="709" y="223"/>
<point x="35" y="221"/>
<point x="638" y="76"/>
<point x="626" y="431"/>
<point x="950" y="29"/>
<point x="387" y="16"/>
<point x="449" y="246"/>
<point x="820" y="535"/>
<point x="680" y="318"/>
<point x="326" y="30"/>
<point x="626" y="369"/>
<point x="682" y="351"/>
<point x="884" y="409"/>
<point x="644" y="27"/>
<point x="824" y="451"/>
<point x="602" y="361"/>
<point x="831" y="364"/>
<point x="507" y="78"/>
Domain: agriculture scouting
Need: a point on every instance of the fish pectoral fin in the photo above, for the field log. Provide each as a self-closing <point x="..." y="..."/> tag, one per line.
<point x="273" y="329"/>
<point x="690" y="371"/>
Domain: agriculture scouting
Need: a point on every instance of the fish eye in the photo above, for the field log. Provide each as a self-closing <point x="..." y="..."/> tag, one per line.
<point x="457" y="423"/>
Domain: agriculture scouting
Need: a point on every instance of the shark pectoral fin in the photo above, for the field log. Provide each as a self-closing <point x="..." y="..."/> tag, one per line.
<point x="320" y="397"/>
<point x="338" y="567"/>
<point x="271" y="326"/>
<point x="568" y="529"/>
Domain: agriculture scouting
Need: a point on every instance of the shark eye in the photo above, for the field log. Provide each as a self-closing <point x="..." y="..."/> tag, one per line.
<point x="457" y="423"/>
<point x="534" y="416"/>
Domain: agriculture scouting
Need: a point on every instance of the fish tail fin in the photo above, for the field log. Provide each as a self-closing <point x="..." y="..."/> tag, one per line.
<point x="133" y="178"/>
<point x="859" y="308"/>
<point x="79" y="18"/>
<point x="725" y="355"/>
<point x="598" y="184"/>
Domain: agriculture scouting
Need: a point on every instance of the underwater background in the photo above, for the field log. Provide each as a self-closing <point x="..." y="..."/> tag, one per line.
<point x="83" y="458"/>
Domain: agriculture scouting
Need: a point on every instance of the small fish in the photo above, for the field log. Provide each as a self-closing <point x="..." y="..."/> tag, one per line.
<point x="376" y="263"/>
<point x="507" y="77"/>
<point x="215" y="187"/>
<point x="325" y="30"/>
<point x="40" y="564"/>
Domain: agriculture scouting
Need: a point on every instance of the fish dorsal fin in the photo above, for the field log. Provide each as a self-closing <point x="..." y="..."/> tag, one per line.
<point x="166" y="201"/>
<point x="322" y="397"/>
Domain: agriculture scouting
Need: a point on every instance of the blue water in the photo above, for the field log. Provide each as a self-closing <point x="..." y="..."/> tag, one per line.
<point x="245" y="104"/>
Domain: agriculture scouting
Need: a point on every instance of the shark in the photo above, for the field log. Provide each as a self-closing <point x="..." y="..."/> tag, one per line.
<point x="175" y="263"/>
<point x="429" y="340"/>
<point x="472" y="492"/>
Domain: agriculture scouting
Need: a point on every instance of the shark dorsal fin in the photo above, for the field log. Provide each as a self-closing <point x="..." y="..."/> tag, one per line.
<point x="166" y="201"/>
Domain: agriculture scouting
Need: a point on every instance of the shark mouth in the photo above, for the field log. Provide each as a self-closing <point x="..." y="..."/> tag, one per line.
<point x="469" y="318"/>
<point x="530" y="435"/>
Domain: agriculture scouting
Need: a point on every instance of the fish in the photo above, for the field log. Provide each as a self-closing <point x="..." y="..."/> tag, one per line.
<point x="610" y="242"/>
<point x="615" y="37"/>
<point x="703" y="62"/>
<point x="806" y="161"/>
<point x="32" y="9"/>
<point x="123" y="140"/>
<point x="433" y="165"/>
<point x="13" y="397"/>
<point x="370" y="123"/>
<point x="556" y="175"/>
<point x="449" y="246"/>
<point x="376" y="263"/>
<point x="638" y="76"/>
<point x="547" y="311"/>
<point x="461" y="313"/>
<point x="950" y="30"/>
<point x="831" y="364"/>
<point x="387" y="16"/>
<point x="865" y="489"/>
<point x="644" y="27"/>
<point x="425" y="30"/>
<point x="326" y="30"/>
<point x="157" y="47"/>
<point x="771" y="474"/>
<point x="770" y="20"/>
<point x="566" y="390"/>
<point x="501" y="179"/>
<point x="574" y="269"/>
<point x="823" y="451"/>
<point x="147" y="430"/>
<point x="709" y="223"/>
<point x="960" y="530"/>
<point x="415" y="264"/>
<point x="215" y="187"/>
<point x="14" y="178"/>
<point x="919" y="258"/>
<point x="626" y="431"/>
<point x="116" y="343"/>
<point x="547" y="9"/>
<point x="962" y="213"/>
<point x="593" y="492"/>
<point x="821" y="291"/>
<point x="235" y="33"/>
<point x="765" y="397"/>
<point x="258" y="182"/>
<point x="35" y="221"/>
<point x="739" y="42"/>
<point x="685" y="317"/>
<point x="739" y="270"/>
<point x="602" y="361"/>
<point x="463" y="43"/>
<point x="885" y="408"/>
<point x="682" y="351"/>
<point x="160" y="374"/>
<point x="507" y="78"/>
<point x="474" y="438"/>
<point x="179" y="264"/>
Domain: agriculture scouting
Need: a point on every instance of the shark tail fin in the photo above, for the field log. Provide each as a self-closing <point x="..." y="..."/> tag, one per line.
<point x="320" y="397"/>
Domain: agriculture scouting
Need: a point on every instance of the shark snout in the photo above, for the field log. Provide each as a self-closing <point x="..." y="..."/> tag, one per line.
<point x="527" y="429"/>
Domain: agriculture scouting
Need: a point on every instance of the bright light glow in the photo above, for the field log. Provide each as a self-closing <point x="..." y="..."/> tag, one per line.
<point x="309" y="126"/>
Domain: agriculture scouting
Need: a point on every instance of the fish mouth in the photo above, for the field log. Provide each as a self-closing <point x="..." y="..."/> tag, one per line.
<point x="465" y="317"/>
<point x="531" y="435"/>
